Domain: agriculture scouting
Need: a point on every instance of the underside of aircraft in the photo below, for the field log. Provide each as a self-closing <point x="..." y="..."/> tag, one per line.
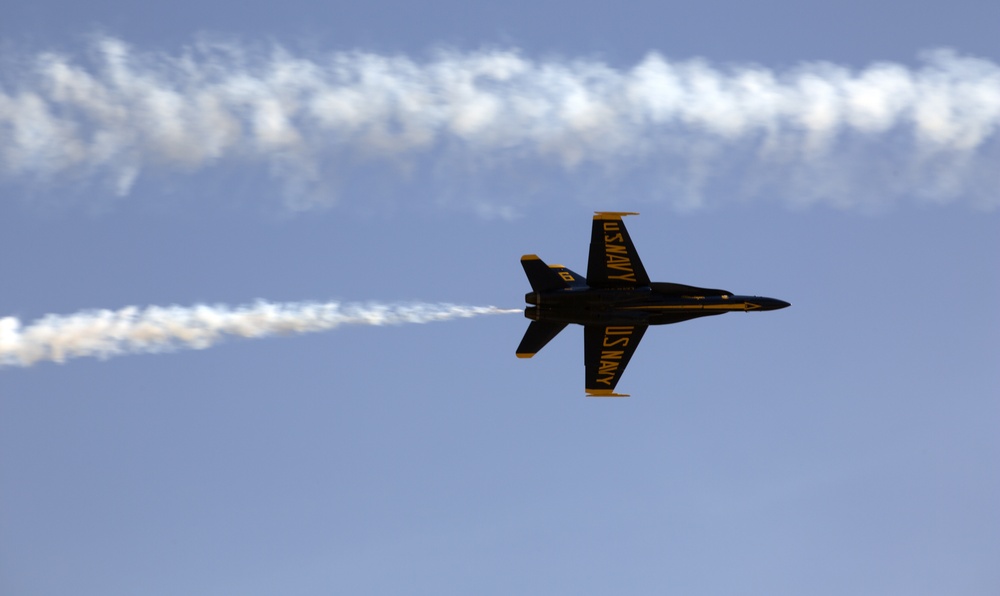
<point x="615" y="303"/>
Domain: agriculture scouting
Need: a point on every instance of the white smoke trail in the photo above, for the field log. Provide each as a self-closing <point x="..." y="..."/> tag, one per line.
<point x="131" y="330"/>
<point x="815" y="133"/>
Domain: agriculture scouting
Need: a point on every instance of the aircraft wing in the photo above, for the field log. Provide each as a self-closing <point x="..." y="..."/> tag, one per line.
<point x="607" y="350"/>
<point x="614" y="262"/>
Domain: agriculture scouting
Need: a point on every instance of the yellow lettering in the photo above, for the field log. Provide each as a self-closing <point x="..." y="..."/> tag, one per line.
<point x="627" y="277"/>
<point x="610" y="360"/>
<point x="618" y="259"/>
<point x="566" y="275"/>
<point x="611" y="226"/>
<point x="615" y="248"/>
<point x="615" y="238"/>
<point x="618" y="330"/>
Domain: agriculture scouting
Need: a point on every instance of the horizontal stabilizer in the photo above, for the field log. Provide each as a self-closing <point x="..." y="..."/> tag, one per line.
<point x="538" y="334"/>
<point x="572" y="279"/>
<point x="541" y="277"/>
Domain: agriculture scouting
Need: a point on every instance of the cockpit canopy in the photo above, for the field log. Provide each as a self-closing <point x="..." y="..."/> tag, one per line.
<point x="672" y="289"/>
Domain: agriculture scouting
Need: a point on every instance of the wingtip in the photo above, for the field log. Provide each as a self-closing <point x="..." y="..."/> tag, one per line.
<point x="605" y="393"/>
<point x="613" y="214"/>
<point x="525" y="354"/>
<point x="530" y="258"/>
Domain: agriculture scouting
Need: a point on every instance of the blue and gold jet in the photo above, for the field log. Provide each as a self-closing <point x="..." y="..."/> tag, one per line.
<point x="615" y="303"/>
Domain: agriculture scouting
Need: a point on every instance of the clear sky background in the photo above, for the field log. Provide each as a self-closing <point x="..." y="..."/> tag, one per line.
<point x="846" y="445"/>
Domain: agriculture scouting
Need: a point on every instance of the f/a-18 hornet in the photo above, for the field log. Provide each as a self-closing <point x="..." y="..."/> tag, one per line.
<point x="615" y="303"/>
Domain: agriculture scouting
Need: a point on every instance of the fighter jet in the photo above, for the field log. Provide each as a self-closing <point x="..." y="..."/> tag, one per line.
<point x="615" y="303"/>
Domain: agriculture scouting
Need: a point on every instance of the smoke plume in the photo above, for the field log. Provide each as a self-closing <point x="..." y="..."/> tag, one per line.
<point x="131" y="330"/>
<point x="815" y="133"/>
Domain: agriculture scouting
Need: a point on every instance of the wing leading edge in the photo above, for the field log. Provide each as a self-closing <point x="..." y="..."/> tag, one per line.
<point x="607" y="351"/>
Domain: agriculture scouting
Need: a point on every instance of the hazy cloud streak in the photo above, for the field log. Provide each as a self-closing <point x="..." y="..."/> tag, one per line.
<point x="132" y="330"/>
<point x="120" y="112"/>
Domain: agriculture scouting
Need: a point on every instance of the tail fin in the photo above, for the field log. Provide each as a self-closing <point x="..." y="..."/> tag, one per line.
<point x="538" y="334"/>
<point x="572" y="279"/>
<point x="541" y="277"/>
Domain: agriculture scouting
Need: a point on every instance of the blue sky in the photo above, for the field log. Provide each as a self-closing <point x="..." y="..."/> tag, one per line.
<point x="844" y="445"/>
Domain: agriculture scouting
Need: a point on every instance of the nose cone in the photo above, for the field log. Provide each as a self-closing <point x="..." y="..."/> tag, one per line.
<point x="772" y="304"/>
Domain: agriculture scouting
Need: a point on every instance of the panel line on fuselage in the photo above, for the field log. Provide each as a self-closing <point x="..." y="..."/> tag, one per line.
<point x="697" y="306"/>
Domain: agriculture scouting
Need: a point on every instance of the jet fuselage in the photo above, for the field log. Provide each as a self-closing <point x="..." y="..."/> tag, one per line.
<point x="646" y="305"/>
